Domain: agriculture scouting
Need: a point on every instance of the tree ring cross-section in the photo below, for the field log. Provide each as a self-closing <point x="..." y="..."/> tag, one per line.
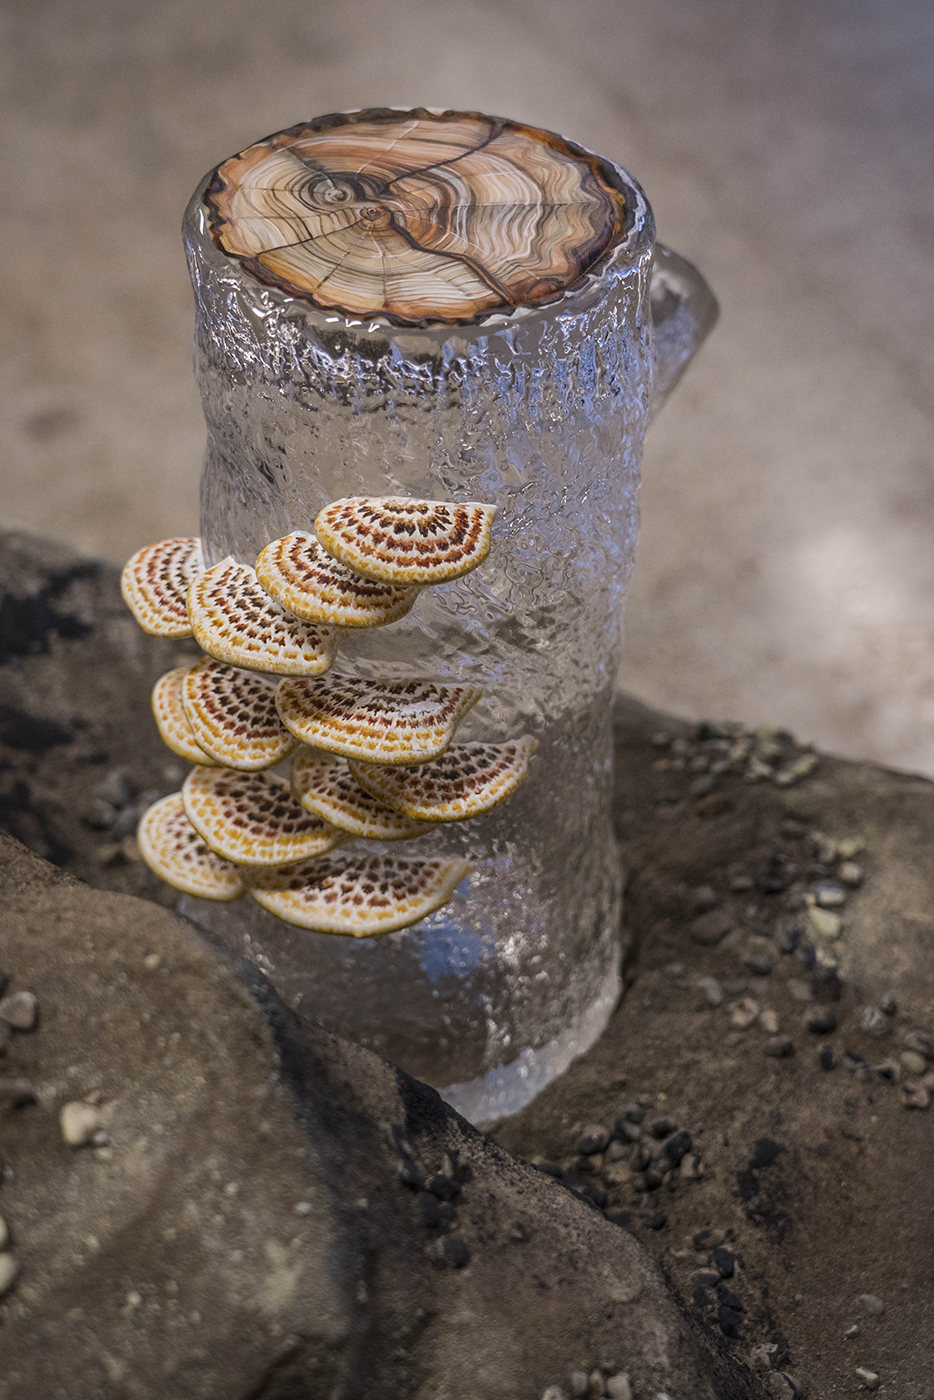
<point x="418" y="217"/>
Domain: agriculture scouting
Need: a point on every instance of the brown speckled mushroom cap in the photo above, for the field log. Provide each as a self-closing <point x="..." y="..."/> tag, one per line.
<point x="253" y="819"/>
<point x="378" y="721"/>
<point x="235" y="620"/>
<point x="467" y="779"/>
<point x="309" y="583"/>
<point x="358" y="894"/>
<point x="172" y="721"/>
<point x="322" y="783"/>
<point x="398" y="540"/>
<point x="155" y="583"/>
<point x="232" y="715"/>
<point x="415" y="216"/>
<point x="172" y="848"/>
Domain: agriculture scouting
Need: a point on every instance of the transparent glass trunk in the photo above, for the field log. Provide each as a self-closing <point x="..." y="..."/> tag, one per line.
<point x="542" y="411"/>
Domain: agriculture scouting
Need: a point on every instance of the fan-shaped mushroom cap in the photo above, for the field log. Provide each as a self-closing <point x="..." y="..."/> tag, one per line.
<point x="172" y="848"/>
<point x="155" y="583"/>
<point x="378" y="721"/>
<point x="398" y="540"/>
<point x="356" y="893"/>
<point x="417" y="215"/>
<point x="253" y="819"/>
<point x="236" y="621"/>
<point x="309" y="583"/>
<point x="322" y="784"/>
<point x="465" y="780"/>
<point x="232" y="715"/>
<point x="172" y="720"/>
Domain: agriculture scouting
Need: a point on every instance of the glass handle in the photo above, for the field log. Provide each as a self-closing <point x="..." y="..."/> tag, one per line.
<point x="684" y="312"/>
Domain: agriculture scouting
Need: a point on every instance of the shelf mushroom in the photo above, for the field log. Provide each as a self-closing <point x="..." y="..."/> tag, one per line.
<point x="171" y="847"/>
<point x="378" y="721"/>
<point x="308" y="583"/>
<point x="252" y="818"/>
<point x="467" y="779"/>
<point x="236" y="621"/>
<point x="323" y="784"/>
<point x="171" y="720"/>
<point x="357" y="893"/>
<point x="394" y="539"/>
<point x="155" y="582"/>
<point x="233" y="716"/>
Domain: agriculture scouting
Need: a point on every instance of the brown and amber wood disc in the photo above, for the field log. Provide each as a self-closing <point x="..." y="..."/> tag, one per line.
<point x="415" y="216"/>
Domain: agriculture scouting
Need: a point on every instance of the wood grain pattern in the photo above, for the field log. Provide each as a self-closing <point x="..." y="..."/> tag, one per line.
<point x="415" y="216"/>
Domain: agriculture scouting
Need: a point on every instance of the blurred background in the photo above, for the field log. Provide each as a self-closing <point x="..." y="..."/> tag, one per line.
<point x="786" y="565"/>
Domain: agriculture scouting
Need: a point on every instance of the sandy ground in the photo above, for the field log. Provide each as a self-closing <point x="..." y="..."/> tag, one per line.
<point x="784" y="573"/>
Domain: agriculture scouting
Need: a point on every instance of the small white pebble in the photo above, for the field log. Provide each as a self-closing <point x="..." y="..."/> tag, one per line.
<point x="743" y="1013"/>
<point x="8" y="1271"/>
<point x="133" y="1299"/>
<point x="824" y="922"/>
<point x="850" y="873"/>
<point x="768" y="1020"/>
<point x="618" y="1387"/>
<point x="19" y="1010"/>
<point x="871" y="1304"/>
<point x="79" y="1122"/>
<point x="711" y="989"/>
<point x="850" y="846"/>
<point x="151" y="961"/>
<point x="869" y="1378"/>
<point x="231" y="1188"/>
<point x="303" y="1208"/>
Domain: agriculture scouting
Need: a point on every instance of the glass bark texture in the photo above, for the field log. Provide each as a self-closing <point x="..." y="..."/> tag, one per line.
<point x="541" y="409"/>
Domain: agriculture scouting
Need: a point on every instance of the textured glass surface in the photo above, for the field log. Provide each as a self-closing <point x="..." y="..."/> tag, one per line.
<point x="541" y="411"/>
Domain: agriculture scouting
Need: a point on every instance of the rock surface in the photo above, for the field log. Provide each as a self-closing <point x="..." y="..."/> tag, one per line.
<point x="807" y="1159"/>
<point x="260" y="1210"/>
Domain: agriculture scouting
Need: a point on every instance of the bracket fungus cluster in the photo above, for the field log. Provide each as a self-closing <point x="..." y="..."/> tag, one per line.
<point x="373" y="760"/>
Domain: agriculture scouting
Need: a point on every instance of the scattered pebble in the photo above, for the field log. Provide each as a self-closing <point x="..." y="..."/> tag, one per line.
<point x="798" y="988"/>
<point x="779" y="1046"/>
<point x="850" y="847"/>
<point x="705" y="897"/>
<point x="578" y="1383"/>
<point x="19" y="1010"/>
<point x="664" y="1127"/>
<point x="14" y="1093"/>
<point x="919" y="1041"/>
<point x="850" y="873"/>
<point x="618" y="1387"/>
<point x="869" y="1378"/>
<point x="711" y="989"/>
<point x="871" y="1304"/>
<point x="594" y="1138"/>
<point x="852" y="1333"/>
<point x="768" y="1020"/>
<point x="824" y="923"/>
<point x="454" y="1251"/>
<point x="915" y="1096"/>
<point x="743" y="1013"/>
<point x="913" y="1062"/>
<point x="724" y="1261"/>
<point x="780" y="1386"/>
<point x="8" y="1272"/>
<point x="554" y="1392"/>
<point x="692" y="1168"/>
<point x="80" y="1122"/>
<point x="820" y="1021"/>
<point x="709" y="929"/>
<point x="826" y="1057"/>
<point x="828" y="895"/>
<point x="874" y="1021"/>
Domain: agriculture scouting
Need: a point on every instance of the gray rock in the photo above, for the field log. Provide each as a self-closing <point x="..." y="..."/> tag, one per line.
<point x="618" y="1387"/>
<point x="226" y="1114"/>
<point x="871" y="1304"/>
<point x="869" y="1379"/>
<point x="710" y="929"/>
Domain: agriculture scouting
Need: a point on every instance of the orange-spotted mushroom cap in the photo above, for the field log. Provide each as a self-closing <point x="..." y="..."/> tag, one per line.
<point x="465" y="780"/>
<point x="253" y="819"/>
<point x="155" y="583"/>
<point x="236" y="621"/>
<point x="358" y="894"/>
<point x="171" y="719"/>
<point x="298" y="573"/>
<point x="322" y="784"/>
<point x="232" y="715"/>
<point x="172" y="848"/>
<point x="378" y="721"/>
<point x="397" y="540"/>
